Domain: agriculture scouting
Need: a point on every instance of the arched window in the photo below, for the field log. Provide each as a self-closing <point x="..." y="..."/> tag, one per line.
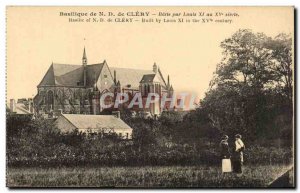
<point x="50" y="99"/>
<point x="145" y="89"/>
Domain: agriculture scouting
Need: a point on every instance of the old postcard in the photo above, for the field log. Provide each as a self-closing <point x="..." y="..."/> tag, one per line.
<point x="150" y="97"/>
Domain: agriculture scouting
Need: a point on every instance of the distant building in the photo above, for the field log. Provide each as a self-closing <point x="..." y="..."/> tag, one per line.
<point x="21" y="107"/>
<point x="93" y="124"/>
<point x="76" y="89"/>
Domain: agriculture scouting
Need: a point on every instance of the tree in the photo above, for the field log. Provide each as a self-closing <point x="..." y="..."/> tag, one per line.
<point x="250" y="83"/>
<point x="281" y="47"/>
<point x="246" y="61"/>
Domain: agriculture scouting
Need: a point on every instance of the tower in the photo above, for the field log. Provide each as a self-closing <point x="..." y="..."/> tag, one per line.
<point x="84" y="63"/>
<point x="154" y="68"/>
<point x="84" y="58"/>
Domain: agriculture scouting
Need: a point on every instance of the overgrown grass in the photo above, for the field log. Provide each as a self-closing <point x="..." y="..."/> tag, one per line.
<point x="143" y="177"/>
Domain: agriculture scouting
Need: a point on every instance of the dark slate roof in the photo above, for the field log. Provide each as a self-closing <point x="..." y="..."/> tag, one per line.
<point x="70" y="75"/>
<point x="147" y="78"/>
<point x="93" y="73"/>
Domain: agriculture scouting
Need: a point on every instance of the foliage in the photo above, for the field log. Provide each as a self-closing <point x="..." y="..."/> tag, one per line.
<point x="47" y="147"/>
<point x="251" y="92"/>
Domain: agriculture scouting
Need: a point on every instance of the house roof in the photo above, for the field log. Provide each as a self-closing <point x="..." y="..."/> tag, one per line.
<point x="20" y="109"/>
<point x="70" y="75"/>
<point x="85" y="122"/>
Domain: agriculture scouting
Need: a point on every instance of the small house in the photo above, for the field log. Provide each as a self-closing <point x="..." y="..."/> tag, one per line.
<point x="93" y="124"/>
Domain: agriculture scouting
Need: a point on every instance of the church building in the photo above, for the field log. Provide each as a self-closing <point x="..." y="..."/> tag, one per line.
<point x="76" y="89"/>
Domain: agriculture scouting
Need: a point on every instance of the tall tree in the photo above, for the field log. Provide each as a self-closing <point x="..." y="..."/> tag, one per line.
<point x="282" y="60"/>
<point x="255" y="71"/>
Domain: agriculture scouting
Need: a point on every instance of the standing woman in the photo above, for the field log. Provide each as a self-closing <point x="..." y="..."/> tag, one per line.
<point x="238" y="158"/>
<point x="225" y="155"/>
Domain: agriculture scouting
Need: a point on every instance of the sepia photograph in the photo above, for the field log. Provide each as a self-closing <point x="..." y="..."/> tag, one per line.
<point x="150" y="97"/>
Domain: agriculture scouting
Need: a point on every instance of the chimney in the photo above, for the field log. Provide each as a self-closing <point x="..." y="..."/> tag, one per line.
<point x="13" y="105"/>
<point x="116" y="114"/>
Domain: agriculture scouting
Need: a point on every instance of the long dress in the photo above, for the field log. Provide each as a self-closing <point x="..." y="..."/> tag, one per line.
<point x="225" y="156"/>
<point x="237" y="157"/>
<point x="224" y="149"/>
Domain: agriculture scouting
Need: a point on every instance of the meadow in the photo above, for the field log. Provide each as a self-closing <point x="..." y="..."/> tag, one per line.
<point x="142" y="177"/>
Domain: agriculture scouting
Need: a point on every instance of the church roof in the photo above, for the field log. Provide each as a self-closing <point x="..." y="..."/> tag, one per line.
<point x="147" y="78"/>
<point x="70" y="75"/>
<point x="85" y="122"/>
<point x="133" y="77"/>
<point x="93" y="73"/>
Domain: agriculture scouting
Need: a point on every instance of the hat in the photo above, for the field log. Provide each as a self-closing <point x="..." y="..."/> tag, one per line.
<point x="225" y="137"/>
<point x="238" y="136"/>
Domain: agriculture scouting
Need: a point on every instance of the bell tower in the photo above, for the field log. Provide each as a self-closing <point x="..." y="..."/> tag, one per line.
<point x="154" y="68"/>
<point x="84" y="58"/>
<point x="84" y="63"/>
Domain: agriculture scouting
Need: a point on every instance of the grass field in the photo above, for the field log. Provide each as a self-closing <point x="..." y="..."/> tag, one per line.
<point x="156" y="177"/>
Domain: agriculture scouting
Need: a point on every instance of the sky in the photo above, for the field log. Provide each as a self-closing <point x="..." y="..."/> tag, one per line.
<point x="189" y="53"/>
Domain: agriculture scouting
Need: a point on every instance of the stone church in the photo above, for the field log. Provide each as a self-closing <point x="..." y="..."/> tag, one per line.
<point x="76" y="89"/>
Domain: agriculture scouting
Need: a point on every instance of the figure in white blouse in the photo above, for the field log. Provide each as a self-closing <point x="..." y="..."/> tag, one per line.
<point x="238" y="158"/>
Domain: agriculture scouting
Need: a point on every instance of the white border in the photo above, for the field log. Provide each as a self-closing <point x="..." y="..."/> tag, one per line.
<point x="4" y="3"/>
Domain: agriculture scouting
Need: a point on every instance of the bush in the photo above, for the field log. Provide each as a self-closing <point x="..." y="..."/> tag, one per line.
<point x="39" y="144"/>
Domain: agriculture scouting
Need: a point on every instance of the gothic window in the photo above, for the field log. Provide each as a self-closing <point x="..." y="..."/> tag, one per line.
<point x="50" y="99"/>
<point x="42" y="92"/>
<point x="78" y="94"/>
<point x="145" y="89"/>
<point x="68" y="93"/>
<point x="59" y="95"/>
